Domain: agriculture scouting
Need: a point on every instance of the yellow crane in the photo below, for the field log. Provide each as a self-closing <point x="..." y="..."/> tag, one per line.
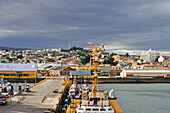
<point x="95" y="52"/>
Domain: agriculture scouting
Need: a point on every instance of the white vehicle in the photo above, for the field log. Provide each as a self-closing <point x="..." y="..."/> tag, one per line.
<point x="94" y="109"/>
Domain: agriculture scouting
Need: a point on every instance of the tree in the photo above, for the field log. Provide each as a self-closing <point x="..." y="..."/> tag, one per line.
<point x="81" y="53"/>
<point x="28" y="61"/>
<point x="10" y="59"/>
<point x="40" y="61"/>
<point x="76" y="48"/>
<point x="105" y="61"/>
<point x="19" y="57"/>
<point x="110" y="60"/>
<point x="85" y="60"/>
<point x="3" y="61"/>
<point x="51" y="60"/>
<point x="127" y="55"/>
<point x="113" y="54"/>
<point x="115" y="63"/>
<point x="156" y="60"/>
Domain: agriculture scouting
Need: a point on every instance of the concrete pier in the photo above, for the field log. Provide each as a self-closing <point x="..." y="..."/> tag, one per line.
<point x="22" y="80"/>
<point x="106" y="80"/>
<point x="34" y="102"/>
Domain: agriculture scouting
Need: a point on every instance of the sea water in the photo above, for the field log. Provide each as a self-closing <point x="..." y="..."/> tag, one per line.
<point x="141" y="98"/>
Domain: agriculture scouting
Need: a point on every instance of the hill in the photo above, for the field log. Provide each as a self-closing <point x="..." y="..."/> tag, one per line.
<point x="11" y="48"/>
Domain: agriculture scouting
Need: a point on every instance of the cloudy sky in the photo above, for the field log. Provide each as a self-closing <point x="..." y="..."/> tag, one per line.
<point x="121" y="25"/>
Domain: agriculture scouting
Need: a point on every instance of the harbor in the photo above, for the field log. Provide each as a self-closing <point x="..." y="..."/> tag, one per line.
<point x="149" y="97"/>
<point x="40" y="99"/>
<point x="141" y="98"/>
<point x="83" y="99"/>
<point x="84" y="56"/>
<point x="87" y="89"/>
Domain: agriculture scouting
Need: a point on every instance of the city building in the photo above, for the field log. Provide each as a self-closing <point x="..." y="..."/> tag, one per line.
<point x="9" y="70"/>
<point x="149" y="56"/>
<point x="85" y="68"/>
<point x="60" y="70"/>
<point x="105" y="71"/>
<point x="80" y="74"/>
<point x="144" y="73"/>
<point x="165" y="60"/>
<point x="116" y="70"/>
<point x="147" y="66"/>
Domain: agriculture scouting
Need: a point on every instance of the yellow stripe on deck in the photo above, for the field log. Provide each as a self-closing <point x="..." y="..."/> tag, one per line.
<point x="115" y="106"/>
<point x="73" y="106"/>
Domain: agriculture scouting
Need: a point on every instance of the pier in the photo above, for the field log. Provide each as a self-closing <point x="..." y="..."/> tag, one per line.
<point x="106" y="80"/>
<point x="40" y="99"/>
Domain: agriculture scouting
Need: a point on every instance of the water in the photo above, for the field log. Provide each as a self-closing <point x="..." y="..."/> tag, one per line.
<point x="141" y="98"/>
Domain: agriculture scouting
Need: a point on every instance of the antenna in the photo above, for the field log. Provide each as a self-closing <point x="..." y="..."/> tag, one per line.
<point x="69" y="46"/>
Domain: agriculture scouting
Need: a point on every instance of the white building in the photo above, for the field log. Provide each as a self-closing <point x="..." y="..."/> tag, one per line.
<point x="150" y="56"/>
<point x="144" y="73"/>
<point x="160" y="59"/>
<point x="143" y="56"/>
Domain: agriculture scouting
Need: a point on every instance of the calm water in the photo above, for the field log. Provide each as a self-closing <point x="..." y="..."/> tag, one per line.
<point x="141" y="98"/>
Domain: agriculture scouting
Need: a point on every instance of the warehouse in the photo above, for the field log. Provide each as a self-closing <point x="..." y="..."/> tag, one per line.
<point x="10" y="70"/>
<point x="144" y="73"/>
<point x="79" y="74"/>
<point x="85" y="68"/>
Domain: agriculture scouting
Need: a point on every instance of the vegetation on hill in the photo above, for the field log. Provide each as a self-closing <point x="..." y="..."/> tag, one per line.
<point x="74" y="49"/>
<point x="85" y="60"/>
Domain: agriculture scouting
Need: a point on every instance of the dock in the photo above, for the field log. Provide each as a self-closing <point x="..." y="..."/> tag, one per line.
<point x="105" y="80"/>
<point x="40" y="99"/>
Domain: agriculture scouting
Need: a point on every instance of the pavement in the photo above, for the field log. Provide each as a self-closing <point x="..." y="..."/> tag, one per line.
<point x="32" y="102"/>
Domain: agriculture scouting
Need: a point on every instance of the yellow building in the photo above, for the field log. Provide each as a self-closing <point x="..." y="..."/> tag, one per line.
<point x="10" y="70"/>
<point x="82" y="71"/>
<point x="85" y="68"/>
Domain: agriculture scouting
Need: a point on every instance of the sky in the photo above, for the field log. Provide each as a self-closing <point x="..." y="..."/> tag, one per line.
<point x="121" y="25"/>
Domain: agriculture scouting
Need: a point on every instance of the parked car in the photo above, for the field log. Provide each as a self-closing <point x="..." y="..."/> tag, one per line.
<point x="55" y="91"/>
<point x="28" y="88"/>
<point x="3" y="100"/>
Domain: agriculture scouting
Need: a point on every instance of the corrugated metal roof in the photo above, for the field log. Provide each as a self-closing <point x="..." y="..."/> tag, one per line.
<point x="80" y="72"/>
<point x="58" y="68"/>
<point x="17" y="67"/>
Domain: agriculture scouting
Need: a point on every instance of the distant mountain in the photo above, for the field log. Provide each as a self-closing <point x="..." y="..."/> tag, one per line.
<point x="11" y="48"/>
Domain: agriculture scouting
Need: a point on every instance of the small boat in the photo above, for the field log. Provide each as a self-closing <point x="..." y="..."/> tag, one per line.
<point x="74" y="90"/>
<point x="6" y="88"/>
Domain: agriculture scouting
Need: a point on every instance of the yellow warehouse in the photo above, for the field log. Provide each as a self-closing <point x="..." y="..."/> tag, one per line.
<point x="10" y="70"/>
<point x="84" y="68"/>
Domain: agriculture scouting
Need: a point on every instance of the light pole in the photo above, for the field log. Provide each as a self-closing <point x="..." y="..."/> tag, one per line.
<point x="36" y="74"/>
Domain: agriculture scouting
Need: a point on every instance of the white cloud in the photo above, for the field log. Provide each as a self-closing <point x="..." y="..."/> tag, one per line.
<point x="155" y="9"/>
<point x="134" y="52"/>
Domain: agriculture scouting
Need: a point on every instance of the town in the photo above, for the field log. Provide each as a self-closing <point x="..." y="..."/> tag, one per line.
<point x="56" y="73"/>
<point x="74" y="61"/>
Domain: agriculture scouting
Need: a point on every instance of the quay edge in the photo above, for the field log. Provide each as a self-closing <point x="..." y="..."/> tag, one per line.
<point x="124" y="80"/>
<point x="22" y="80"/>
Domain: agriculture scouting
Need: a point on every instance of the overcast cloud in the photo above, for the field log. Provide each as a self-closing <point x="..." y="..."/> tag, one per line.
<point x="124" y="25"/>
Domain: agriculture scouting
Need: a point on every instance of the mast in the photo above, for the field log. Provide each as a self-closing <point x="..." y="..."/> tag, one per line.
<point x="95" y="52"/>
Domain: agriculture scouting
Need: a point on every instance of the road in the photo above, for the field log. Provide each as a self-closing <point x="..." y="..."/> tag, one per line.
<point x="32" y="102"/>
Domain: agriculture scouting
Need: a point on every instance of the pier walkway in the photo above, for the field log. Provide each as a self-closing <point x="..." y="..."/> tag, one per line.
<point x="33" y="102"/>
